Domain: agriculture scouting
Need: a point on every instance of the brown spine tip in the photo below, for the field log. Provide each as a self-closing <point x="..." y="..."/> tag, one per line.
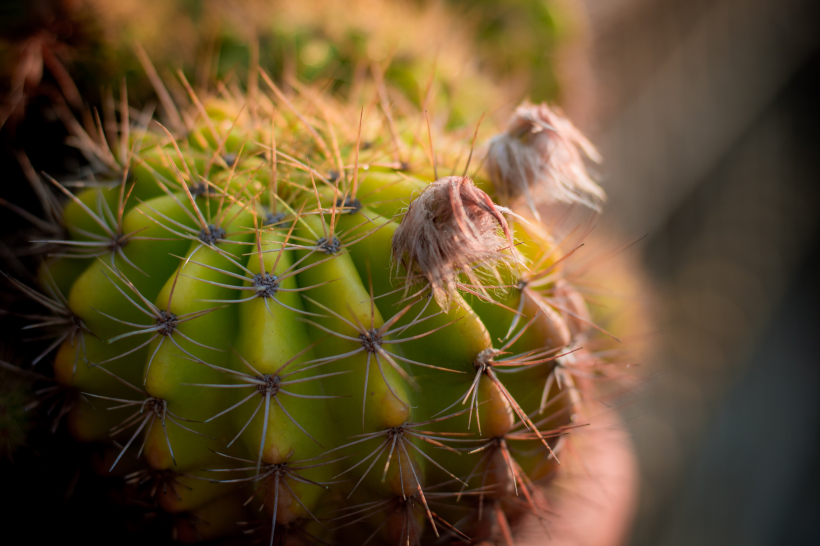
<point x="540" y="159"/>
<point x="453" y="227"/>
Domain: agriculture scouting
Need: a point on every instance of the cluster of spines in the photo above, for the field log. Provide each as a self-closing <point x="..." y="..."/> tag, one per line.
<point x="254" y="223"/>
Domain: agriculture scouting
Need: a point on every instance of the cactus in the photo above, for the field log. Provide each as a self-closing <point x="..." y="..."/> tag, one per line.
<point x="282" y="307"/>
<point x="14" y="419"/>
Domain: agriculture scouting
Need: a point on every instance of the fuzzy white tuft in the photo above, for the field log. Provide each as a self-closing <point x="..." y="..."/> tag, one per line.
<point x="452" y="227"/>
<point x="540" y="159"/>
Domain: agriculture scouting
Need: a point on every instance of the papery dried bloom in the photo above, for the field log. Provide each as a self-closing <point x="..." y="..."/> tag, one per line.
<point x="540" y="158"/>
<point x="452" y="227"/>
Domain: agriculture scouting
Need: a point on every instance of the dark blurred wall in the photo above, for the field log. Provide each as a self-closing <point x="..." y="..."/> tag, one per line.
<point x="707" y="112"/>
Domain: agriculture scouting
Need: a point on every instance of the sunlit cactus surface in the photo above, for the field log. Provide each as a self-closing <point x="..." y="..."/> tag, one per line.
<point x="294" y="316"/>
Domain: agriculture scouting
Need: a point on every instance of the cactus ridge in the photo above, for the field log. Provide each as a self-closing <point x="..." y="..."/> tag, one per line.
<point x="364" y="348"/>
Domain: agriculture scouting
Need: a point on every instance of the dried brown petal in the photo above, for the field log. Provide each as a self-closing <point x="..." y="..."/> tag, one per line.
<point x="452" y="227"/>
<point x="540" y="158"/>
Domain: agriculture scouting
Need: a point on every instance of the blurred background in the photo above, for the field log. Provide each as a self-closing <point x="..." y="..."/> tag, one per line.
<point x="708" y="115"/>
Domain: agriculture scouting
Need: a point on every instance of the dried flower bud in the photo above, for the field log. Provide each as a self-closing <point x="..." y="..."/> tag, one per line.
<point x="452" y="227"/>
<point x="540" y="158"/>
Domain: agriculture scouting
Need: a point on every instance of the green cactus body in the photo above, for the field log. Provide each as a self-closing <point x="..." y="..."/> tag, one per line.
<point x="248" y="324"/>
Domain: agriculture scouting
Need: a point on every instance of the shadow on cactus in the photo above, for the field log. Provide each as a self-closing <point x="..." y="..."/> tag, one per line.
<point x="273" y="302"/>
